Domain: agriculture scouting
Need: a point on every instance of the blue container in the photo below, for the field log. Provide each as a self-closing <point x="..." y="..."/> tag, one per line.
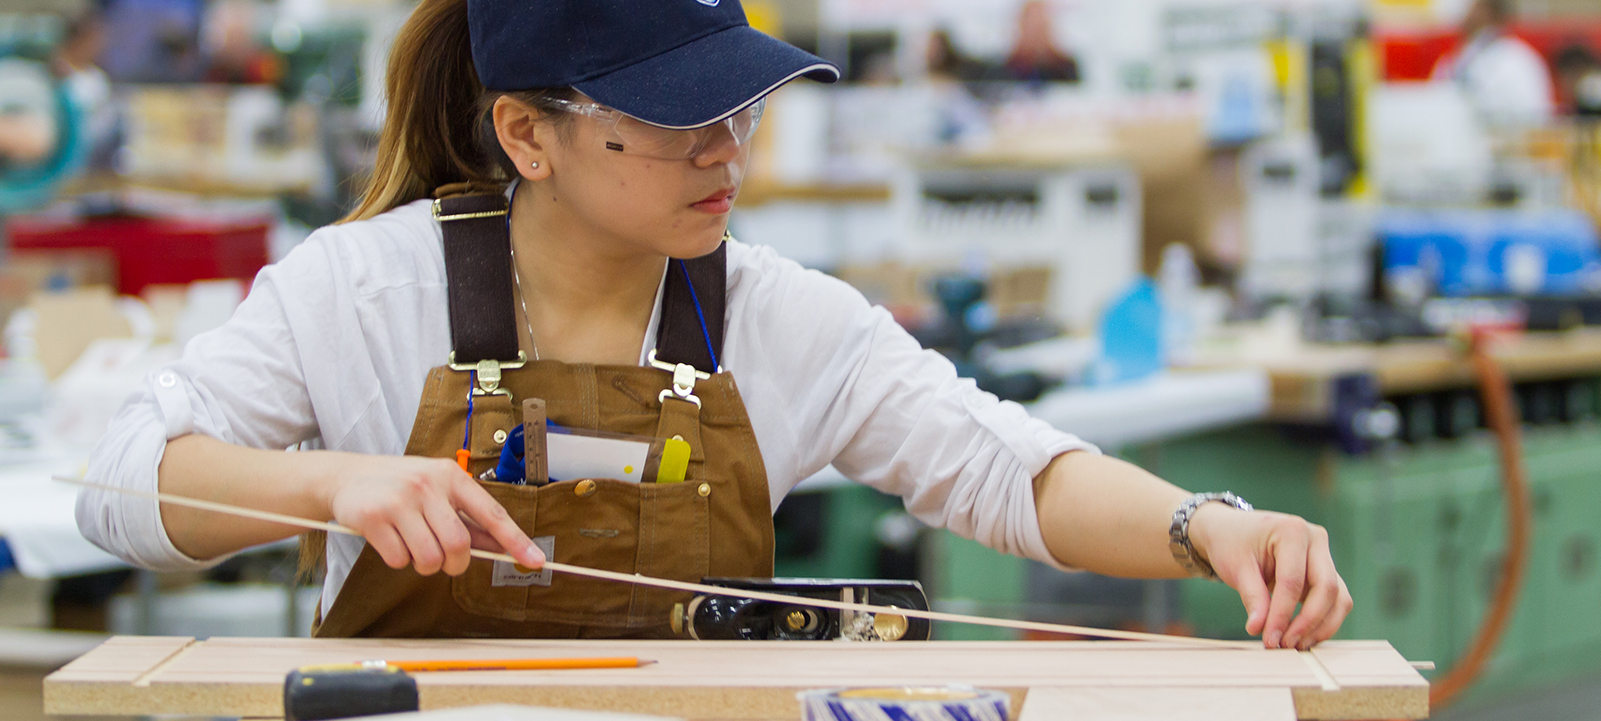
<point x="1131" y="336"/>
<point x="1493" y="252"/>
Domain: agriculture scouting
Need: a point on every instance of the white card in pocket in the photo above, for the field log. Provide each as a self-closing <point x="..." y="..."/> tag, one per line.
<point x="572" y="457"/>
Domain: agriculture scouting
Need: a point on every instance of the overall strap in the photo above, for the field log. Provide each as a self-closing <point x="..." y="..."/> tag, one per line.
<point x="693" y="305"/>
<point x="483" y="320"/>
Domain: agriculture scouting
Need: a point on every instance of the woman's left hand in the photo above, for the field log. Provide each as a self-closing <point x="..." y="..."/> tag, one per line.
<point x="1275" y="562"/>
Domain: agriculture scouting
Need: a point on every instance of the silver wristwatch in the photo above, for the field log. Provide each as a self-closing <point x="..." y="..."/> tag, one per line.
<point x="1178" y="535"/>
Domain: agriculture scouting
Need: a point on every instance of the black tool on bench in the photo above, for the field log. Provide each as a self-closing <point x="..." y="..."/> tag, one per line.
<point x="710" y="617"/>
<point x="316" y="693"/>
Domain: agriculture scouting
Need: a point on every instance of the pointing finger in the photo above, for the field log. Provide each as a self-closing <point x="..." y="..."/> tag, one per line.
<point x="485" y="511"/>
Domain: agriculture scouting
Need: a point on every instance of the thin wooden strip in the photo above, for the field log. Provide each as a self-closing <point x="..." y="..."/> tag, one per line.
<point x="1323" y="675"/>
<point x="123" y="655"/>
<point x="690" y="587"/>
<point x="144" y="678"/>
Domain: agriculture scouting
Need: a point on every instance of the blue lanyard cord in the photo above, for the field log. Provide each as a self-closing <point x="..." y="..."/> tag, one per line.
<point x="701" y="314"/>
<point x="707" y="334"/>
<point x="467" y="433"/>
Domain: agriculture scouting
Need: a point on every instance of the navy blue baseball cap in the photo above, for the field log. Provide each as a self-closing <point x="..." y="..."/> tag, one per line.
<point x="673" y="63"/>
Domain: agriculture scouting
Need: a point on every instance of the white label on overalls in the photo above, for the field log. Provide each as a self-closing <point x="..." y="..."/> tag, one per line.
<point x="508" y="574"/>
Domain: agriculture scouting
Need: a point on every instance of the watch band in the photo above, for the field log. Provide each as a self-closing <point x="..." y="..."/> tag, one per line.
<point x="1178" y="534"/>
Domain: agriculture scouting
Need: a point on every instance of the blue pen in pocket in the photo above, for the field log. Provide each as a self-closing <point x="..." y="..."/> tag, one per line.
<point x="510" y="469"/>
<point x="513" y="465"/>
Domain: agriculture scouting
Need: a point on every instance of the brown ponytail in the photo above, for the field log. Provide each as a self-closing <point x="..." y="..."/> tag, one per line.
<point x="435" y="132"/>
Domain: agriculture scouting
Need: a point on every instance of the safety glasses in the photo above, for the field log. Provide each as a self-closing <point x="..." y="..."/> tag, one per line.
<point x="633" y="136"/>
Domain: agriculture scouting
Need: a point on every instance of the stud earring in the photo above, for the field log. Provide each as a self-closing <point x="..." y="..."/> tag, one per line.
<point x="534" y="165"/>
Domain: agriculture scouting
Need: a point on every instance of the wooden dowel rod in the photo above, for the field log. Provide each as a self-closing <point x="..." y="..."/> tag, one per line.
<point x="691" y="587"/>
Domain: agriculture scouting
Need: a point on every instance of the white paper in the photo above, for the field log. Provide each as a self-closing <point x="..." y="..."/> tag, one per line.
<point x="574" y="457"/>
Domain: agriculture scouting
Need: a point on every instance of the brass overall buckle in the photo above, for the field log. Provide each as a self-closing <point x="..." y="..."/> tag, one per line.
<point x="439" y="213"/>
<point x="684" y="376"/>
<point x="489" y="373"/>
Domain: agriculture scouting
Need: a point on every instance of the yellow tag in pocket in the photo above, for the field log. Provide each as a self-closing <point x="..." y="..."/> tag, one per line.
<point x="675" y="461"/>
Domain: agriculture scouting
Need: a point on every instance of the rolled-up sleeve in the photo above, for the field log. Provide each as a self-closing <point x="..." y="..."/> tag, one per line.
<point x="889" y="414"/>
<point x="241" y="383"/>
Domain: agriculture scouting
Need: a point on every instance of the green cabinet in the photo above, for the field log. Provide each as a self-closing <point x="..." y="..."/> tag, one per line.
<point x="1417" y="531"/>
<point x="1419" y="535"/>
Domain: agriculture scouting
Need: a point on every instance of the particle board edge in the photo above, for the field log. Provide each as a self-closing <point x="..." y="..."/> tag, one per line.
<point x="1393" y="702"/>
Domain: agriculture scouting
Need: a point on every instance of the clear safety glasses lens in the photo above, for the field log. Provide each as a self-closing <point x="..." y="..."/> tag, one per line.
<point x="636" y="137"/>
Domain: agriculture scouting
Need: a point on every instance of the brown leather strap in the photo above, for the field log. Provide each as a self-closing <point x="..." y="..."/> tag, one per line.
<point x="681" y="337"/>
<point x="483" y="320"/>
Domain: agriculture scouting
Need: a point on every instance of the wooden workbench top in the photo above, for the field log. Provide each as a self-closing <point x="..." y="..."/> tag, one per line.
<point x="759" y="680"/>
<point x="1301" y="377"/>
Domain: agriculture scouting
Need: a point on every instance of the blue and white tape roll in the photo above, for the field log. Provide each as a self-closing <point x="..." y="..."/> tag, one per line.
<point x="949" y="703"/>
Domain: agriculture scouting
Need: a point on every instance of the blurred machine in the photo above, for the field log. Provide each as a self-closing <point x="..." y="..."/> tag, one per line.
<point x="31" y="95"/>
<point x="1080" y="221"/>
<point x="1282" y="188"/>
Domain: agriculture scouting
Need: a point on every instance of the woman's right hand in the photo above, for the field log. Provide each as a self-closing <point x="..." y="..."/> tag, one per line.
<point x="424" y="512"/>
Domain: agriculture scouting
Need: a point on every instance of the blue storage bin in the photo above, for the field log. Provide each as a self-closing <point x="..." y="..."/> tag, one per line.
<point x="1494" y="252"/>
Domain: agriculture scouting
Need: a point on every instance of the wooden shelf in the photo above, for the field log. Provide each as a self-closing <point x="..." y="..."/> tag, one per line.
<point x="756" y="192"/>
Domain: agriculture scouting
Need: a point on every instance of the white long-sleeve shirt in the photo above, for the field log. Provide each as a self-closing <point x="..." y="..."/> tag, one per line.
<point x="334" y="342"/>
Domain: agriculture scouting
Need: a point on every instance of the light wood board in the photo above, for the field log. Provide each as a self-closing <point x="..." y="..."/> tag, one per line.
<point x="1170" y="704"/>
<point x="1301" y="380"/>
<point x="759" y="680"/>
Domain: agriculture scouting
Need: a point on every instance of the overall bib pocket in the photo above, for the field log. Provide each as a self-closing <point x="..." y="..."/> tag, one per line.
<point x="660" y="530"/>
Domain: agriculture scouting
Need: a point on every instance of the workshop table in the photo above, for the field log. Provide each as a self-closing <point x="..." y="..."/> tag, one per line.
<point x="1303" y="378"/>
<point x="37" y="520"/>
<point x="758" y="680"/>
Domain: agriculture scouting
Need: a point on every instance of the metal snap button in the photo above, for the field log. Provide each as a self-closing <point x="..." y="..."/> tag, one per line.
<point x="168" y="379"/>
<point x="705" y="490"/>
<point x="678" y="438"/>
<point x="500" y="437"/>
<point x="586" y="488"/>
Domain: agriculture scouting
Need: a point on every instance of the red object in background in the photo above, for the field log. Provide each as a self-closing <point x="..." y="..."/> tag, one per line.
<point x="1412" y="55"/>
<point x="151" y="251"/>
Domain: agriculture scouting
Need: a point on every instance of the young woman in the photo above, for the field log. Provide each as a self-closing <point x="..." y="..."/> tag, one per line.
<point x="593" y="149"/>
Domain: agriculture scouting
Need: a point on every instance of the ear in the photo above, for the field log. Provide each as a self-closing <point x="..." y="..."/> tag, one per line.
<point x="525" y="135"/>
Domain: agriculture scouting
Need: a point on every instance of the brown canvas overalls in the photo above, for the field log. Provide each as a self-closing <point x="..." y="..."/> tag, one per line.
<point x="716" y="523"/>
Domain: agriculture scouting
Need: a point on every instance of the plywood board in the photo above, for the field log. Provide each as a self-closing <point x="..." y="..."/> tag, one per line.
<point x="505" y="712"/>
<point x="1170" y="704"/>
<point x="729" y="680"/>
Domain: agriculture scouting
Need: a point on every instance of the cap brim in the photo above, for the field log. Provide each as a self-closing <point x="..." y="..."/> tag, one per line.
<point x="707" y="80"/>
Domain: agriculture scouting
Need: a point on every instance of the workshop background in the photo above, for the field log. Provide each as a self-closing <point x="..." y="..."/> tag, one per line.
<point x="1279" y="247"/>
